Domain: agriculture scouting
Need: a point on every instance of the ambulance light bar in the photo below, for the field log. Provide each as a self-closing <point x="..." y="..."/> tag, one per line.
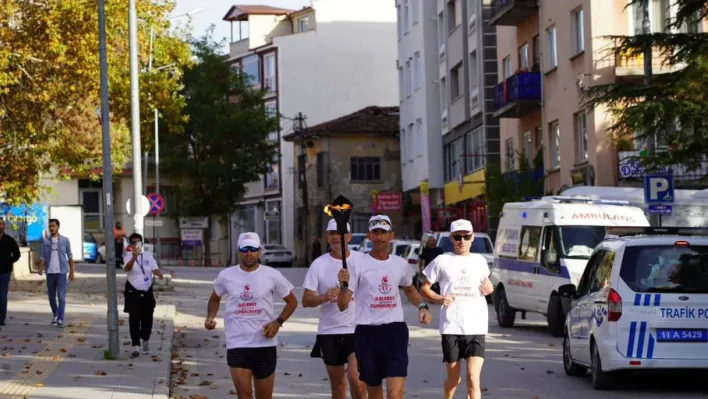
<point x="656" y="231"/>
<point x="583" y="200"/>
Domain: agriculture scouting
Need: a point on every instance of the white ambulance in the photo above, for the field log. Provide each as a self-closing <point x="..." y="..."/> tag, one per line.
<point x="641" y="305"/>
<point x="546" y="243"/>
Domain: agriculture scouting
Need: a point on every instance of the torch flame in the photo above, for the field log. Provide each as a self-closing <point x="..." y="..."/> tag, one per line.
<point x="329" y="208"/>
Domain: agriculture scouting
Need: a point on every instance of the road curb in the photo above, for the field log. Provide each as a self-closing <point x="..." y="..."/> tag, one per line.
<point x="85" y="284"/>
<point x="162" y="382"/>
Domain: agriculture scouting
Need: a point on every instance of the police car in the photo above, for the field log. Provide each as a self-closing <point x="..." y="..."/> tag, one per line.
<point x="641" y="304"/>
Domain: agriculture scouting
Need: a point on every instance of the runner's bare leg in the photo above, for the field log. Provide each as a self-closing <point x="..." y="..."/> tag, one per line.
<point x="338" y="381"/>
<point x="242" y="382"/>
<point x="264" y="387"/>
<point x="453" y="378"/>
<point x="356" y="387"/>
<point x="474" y="372"/>
<point x="394" y="387"/>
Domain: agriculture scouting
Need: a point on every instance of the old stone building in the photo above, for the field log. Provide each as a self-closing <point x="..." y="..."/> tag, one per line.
<point x="356" y="155"/>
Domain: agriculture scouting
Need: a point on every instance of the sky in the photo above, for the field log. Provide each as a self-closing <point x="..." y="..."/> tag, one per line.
<point x="214" y="10"/>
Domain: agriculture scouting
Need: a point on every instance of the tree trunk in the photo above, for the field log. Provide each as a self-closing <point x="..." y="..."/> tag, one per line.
<point x="207" y="243"/>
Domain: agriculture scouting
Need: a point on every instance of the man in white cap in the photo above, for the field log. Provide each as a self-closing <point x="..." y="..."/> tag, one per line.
<point x="250" y="323"/>
<point x="381" y="334"/>
<point x="464" y="320"/>
<point x="335" y="331"/>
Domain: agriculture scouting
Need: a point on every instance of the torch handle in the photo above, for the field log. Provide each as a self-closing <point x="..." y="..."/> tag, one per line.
<point x="345" y="284"/>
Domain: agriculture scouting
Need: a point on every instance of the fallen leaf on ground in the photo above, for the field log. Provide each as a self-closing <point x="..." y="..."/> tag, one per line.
<point x="40" y="335"/>
<point x="549" y="371"/>
<point x="204" y="383"/>
<point x="195" y="374"/>
<point x="97" y="346"/>
<point x="39" y="371"/>
<point x="27" y="324"/>
<point x="286" y="373"/>
<point x="484" y="389"/>
<point x="38" y="385"/>
<point x="100" y="372"/>
<point x="81" y="339"/>
<point x="71" y="355"/>
<point x="63" y="350"/>
<point x="212" y="387"/>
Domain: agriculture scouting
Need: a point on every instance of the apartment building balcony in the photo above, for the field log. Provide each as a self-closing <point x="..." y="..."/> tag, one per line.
<point x="518" y="95"/>
<point x="628" y="67"/>
<point x="512" y="12"/>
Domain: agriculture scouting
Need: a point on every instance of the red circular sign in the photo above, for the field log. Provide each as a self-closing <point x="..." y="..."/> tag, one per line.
<point x="157" y="203"/>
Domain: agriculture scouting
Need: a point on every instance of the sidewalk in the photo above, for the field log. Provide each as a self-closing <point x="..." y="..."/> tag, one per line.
<point x="31" y="351"/>
<point x="84" y="283"/>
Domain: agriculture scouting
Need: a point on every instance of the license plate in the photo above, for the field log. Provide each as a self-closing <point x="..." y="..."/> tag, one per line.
<point x="682" y="335"/>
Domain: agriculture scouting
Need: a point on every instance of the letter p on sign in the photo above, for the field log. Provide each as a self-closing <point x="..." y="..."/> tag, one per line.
<point x="659" y="189"/>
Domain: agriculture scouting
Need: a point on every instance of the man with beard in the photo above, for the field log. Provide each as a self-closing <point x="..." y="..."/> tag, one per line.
<point x="56" y="257"/>
<point x="249" y="323"/>
<point x="381" y="334"/>
<point x="335" y="331"/>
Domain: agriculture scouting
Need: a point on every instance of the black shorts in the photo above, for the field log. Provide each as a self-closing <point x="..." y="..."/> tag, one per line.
<point x="334" y="349"/>
<point x="261" y="361"/>
<point x="381" y="351"/>
<point x="460" y="347"/>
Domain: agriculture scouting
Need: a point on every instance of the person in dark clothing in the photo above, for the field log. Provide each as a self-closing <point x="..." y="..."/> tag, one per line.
<point x="316" y="249"/>
<point x="430" y="252"/>
<point x="9" y="254"/>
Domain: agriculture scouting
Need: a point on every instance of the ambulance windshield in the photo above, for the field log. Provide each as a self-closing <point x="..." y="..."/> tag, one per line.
<point x="666" y="268"/>
<point x="578" y="242"/>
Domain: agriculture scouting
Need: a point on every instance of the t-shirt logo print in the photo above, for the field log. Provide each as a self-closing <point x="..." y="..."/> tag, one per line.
<point x="247" y="295"/>
<point x="384" y="287"/>
<point x="463" y="276"/>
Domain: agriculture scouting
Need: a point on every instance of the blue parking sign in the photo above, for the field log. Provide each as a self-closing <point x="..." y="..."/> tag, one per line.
<point x="659" y="189"/>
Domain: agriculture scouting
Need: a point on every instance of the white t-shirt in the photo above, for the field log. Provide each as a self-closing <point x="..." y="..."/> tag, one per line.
<point x="375" y="284"/>
<point x="461" y="276"/>
<point x="249" y="304"/>
<point x="54" y="266"/>
<point x="323" y="275"/>
<point x="141" y="277"/>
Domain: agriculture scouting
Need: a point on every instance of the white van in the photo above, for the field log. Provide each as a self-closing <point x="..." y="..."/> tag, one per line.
<point x="546" y="243"/>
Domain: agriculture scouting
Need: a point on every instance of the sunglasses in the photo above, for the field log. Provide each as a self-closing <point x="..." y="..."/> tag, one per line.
<point x="379" y="222"/>
<point x="466" y="237"/>
<point x="244" y="250"/>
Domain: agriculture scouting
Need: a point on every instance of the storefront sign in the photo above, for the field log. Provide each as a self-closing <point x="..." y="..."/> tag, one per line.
<point x="388" y="201"/>
<point x="192" y="237"/>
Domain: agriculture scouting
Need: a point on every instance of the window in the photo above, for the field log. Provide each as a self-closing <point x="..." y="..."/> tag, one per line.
<point x="550" y="250"/>
<point x="509" y="155"/>
<point x="474" y="91"/>
<point x="524" y="57"/>
<point x="530" y="242"/>
<point x="474" y="143"/>
<point x="457" y="82"/>
<point x="536" y="52"/>
<point x="552" y="48"/>
<point x="444" y="101"/>
<point x="415" y="11"/>
<point x="454" y="14"/>
<point x="441" y="31"/>
<point x="406" y="16"/>
<point x="660" y="14"/>
<point x="364" y="168"/>
<point x="554" y="141"/>
<point x="409" y="78"/>
<point x="418" y="69"/>
<point x="589" y="274"/>
<point x="400" y="21"/>
<point x="538" y="138"/>
<point x="507" y="69"/>
<point x="322" y="168"/>
<point x="404" y="146"/>
<point x="411" y="143"/>
<point x="528" y="149"/>
<point x="419" y="133"/>
<point x="303" y="24"/>
<point x="252" y="69"/>
<point x="454" y="159"/>
<point x="93" y="209"/>
<point x="601" y="277"/>
<point x="269" y="72"/>
<point x="666" y="268"/>
<point x="578" y="31"/>
<point x="401" y="85"/>
<point x="581" y="137"/>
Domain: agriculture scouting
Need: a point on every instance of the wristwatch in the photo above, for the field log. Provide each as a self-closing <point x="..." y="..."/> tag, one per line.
<point x="423" y="306"/>
<point x="280" y="320"/>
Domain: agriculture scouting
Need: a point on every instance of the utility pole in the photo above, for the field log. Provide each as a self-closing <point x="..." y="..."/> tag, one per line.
<point x="136" y="205"/>
<point x="112" y="311"/>
<point x="302" y="172"/>
<point x="654" y="219"/>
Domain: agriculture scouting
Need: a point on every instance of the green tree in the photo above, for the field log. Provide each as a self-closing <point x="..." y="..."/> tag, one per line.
<point x="675" y="104"/>
<point x="223" y="145"/>
<point x="502" y="187"/>
<point x="49" y="86"/>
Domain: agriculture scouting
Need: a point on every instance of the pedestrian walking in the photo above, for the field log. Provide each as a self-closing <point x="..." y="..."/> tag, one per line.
<point x="9" y="254"/>
<point x="335" y="330"/>
<point x="119" y="237"/>
<point x="57" y="260"/>
<point x="249" y="322"/>
<point x="381" y="334"/>
<point x="427" y="254"/>
<point x="140" y="267"/>
<point x="464" y="320"/>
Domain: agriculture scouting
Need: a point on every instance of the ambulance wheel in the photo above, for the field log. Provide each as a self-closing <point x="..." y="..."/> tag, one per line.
<point x="505" y="313"/>
<point x="555" y="316"/>
<point x="601" y="380"/>
<point x="569" y="366"/>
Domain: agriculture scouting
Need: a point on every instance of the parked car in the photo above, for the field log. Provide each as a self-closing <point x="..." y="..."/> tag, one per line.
<point x="276" y="255"/>
<point x="147" y="247"/>
<point x="90" y="248"/>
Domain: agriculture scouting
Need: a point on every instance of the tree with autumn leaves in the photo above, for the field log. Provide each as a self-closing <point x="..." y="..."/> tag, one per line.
<point x="49" y="87"/>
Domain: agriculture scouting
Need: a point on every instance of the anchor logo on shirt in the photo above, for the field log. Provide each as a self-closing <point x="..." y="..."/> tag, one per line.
<point x="247" y="295"/>
<point x="384" y="287"/>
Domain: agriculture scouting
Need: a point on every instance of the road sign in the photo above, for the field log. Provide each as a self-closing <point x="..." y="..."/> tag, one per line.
<point x="145" y="205"/>
<point x="157" y="203"/>
<point x="659" y="189"/>
<point x="154" y="222"/>
<point x="661" y="209"/>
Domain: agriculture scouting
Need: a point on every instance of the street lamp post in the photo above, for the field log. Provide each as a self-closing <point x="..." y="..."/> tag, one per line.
<point x="138" y="219"/>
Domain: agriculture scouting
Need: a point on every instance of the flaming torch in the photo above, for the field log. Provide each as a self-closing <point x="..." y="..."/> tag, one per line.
<point x="340" y="210"/>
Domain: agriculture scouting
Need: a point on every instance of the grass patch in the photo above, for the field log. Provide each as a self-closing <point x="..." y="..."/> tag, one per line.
<point x="108" y="356"/>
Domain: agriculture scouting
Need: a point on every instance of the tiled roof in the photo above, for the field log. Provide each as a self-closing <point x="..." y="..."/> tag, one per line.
<point x="241" y="12"/>
<point x="370" y="120"/>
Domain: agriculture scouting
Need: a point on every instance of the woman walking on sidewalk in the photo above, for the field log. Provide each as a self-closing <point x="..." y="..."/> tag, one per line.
<point x="139" y="297"/>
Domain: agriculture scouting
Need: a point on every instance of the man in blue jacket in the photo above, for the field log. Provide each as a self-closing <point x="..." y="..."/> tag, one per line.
<point x="57" y="259"/>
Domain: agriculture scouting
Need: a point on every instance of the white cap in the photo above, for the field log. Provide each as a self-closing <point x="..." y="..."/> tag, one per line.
<point x="249" y="240"/>
<point x="332" y="226"/>
<point x="461" y="225"/>
<point x="380" y="222"/>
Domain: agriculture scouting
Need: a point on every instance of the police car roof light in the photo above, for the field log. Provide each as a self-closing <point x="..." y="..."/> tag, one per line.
<point x="656" y="231"/>
<point x="681" y="244"/>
